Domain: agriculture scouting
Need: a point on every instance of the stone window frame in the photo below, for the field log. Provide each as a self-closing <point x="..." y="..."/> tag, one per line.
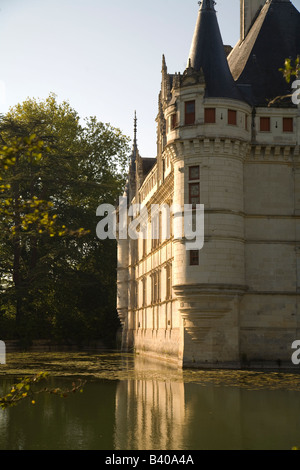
<point x="265" y="124"/>
<point x="189" y="117"/>
<point x="193" y="183"/>
<point x="232" y="117"/>
<point x="287" y="128"/>
<point x="191" y="168"/>
<point x="194" y="257"/>
<point x="173" y="121"/>
<point x="209" y="115"/>
<point x="155" y="287"/>
<point x="144" y="292"/>
<point x="168" y="269"/>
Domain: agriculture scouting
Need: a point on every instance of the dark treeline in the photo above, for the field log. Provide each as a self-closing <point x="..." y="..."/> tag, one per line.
<point x="57" y="279"/>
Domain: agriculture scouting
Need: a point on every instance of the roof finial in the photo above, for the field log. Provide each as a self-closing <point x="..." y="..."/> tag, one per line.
<point x="164" y="68"/>
<point x="207" y="5"/>
<point x="135" y="130"/>
<point x="134" y="146"/>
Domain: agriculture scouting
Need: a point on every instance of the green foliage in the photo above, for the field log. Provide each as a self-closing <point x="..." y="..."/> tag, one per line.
<point x="26" y="389"/>
<point x="291" y="69"/>
<point x="13" y="206"/>
<point x="56" y="278"/>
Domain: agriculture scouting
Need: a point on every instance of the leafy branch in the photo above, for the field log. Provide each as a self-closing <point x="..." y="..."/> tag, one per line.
<point x="24" y="389"/>
<point x="291" y="70"/>
<point x="288" y="71"/>
<point x="34" y="213"/>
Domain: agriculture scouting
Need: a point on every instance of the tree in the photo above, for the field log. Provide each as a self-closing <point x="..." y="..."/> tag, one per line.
<point x="56" y="277"/>
<point x="289" y="71"/>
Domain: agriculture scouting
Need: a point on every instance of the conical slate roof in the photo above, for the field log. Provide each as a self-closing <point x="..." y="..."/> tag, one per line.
<point x="207" y="53"/>
<point x="255" y="62"/>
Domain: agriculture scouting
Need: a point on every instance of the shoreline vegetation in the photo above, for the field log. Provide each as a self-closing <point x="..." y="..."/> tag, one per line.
<point x="115" y="365"/>
<point x="45" y="346"/>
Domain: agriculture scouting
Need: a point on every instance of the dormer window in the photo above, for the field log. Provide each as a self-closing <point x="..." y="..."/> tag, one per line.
<point x="210" y="116"/>
<point x="232" y="117"/>
<point x="265" y="124"/>
<point x="287" y="125"/>
<point x="190" y="113"/>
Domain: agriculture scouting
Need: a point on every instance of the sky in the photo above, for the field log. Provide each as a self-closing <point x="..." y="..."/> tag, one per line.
<point x="104" y="57"/>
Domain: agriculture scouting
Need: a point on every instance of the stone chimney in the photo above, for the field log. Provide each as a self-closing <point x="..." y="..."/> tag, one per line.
<point x="249" y="11"/>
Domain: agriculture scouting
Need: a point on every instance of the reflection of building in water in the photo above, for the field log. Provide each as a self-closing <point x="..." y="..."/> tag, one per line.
<point x="150" y="411"/>
<point x="4" y="421"/>
<point x="153" y="415"/>
<point x="149" y="415"/>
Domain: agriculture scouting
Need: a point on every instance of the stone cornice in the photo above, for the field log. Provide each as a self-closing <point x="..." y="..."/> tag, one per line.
<point x="223" y="147"/>
<point x="274" y="153"/>
<point x="188" y="290"/>
<point x="233" y="148"/>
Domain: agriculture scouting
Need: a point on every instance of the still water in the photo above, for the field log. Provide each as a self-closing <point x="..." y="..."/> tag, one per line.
<point x="136" y="404"/>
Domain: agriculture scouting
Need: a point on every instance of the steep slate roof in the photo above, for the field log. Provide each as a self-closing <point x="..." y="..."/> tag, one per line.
<point x="207" y="53"/>
<point x="148" y="164"/>
<point x="255" y="62"/>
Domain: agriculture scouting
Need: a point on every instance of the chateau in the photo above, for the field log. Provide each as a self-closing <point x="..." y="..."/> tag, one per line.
<point x="224" y="142"/>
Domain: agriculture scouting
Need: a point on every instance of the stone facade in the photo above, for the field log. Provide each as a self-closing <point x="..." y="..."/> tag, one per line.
<point x="235" y="302"/>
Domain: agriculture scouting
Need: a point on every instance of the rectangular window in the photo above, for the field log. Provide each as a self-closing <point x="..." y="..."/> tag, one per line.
<point x="158" y="286"/>
<point x="152" y="288"/>
<point x="232" y="117"/>
<point x="136" y="294"/>
<point x="169" y="281"/>
<point x="155" y="231"/>
<point x="265" y="124"/>
<point x="155" y="243"/>
<point x="194" y="258"/>
<point x="194" y="173"/>
<point x="246" y="122"/>
<point x="210" y="116"/>
<point x="144" y="287"/>
<point x="190" y="113"/>
<point x="144" y="247"/>
<point x="288" y="125"/>
<point x="155" y="287"/>
<point x="173" y="121"/>
<point x="134" y="252"/>
<point x="194" y="194"/>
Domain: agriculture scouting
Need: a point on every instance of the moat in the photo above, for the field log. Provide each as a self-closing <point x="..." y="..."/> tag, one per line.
<point x="131" y="403"/>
